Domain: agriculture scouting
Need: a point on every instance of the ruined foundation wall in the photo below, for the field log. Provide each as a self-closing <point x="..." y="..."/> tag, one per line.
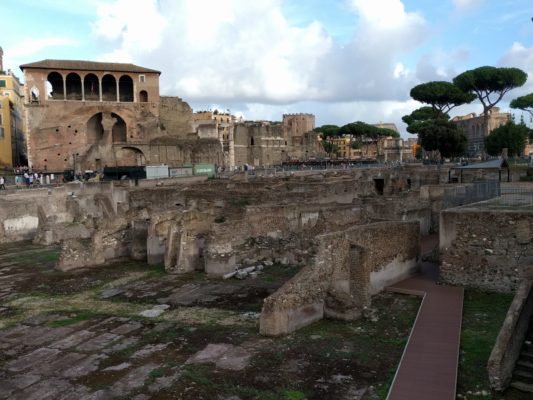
<point x="383" y="252"/>
<point x="506" y="351"/>
<point x="486" y="249"/>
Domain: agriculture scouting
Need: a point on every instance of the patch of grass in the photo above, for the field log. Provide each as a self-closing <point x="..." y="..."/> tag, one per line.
<point x="483" y="315"/>
<point x="153" y="375"/>
<point x="78" y="317"/>
<point x="156" y="271"/>
<point x="293" y="395"/>
<point x="198" y="374"/>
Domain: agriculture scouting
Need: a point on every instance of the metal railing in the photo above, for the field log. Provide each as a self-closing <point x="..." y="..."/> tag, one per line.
<point x="459" y="195"/>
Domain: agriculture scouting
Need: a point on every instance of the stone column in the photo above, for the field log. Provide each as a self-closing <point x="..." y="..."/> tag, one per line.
<point x="118" y="91"/>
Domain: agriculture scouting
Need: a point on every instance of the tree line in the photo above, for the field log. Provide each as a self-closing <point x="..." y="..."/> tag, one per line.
<point x="437" y="133"/>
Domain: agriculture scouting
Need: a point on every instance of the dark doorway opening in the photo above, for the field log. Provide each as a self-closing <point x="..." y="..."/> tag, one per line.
<point x="379" y="184"/>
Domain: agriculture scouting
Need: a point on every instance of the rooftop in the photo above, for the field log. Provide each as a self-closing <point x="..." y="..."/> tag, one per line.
<point x="86" y="66"/>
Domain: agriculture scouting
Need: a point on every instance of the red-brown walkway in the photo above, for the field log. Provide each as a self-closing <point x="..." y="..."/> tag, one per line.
<point x="428" y="368"/>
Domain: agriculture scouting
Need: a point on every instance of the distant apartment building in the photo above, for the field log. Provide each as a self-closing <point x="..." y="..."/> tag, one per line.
<point x="12" y="140"/>
<point x="217" y="125"/>
<point x="472" y="125"/>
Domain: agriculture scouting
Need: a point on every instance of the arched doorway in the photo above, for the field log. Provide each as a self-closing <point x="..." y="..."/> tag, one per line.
<point x="54" y="84"/>
<point x="120" y="130"/>
<point x="128" y="156"/>
<point x="91" y="87"/>
<point x="109" y="88"/>
<point x="95" y="129"/>
<point x="73" y="86"/>
<point x="125" y="88"/>
<point x="143" y="96"/>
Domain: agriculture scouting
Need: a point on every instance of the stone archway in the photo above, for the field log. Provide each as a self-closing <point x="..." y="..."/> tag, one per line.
<point x="95" y="129"/>
<point x="129" y="156"/>
<point x="119" y="130"/>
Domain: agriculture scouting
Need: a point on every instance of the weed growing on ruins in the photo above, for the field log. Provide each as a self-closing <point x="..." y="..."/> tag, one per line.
<point x="84" y="315"/>
<point x="239" y="202"/>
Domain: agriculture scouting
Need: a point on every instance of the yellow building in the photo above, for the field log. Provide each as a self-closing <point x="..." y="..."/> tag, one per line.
<point x="12" y="142"/>
<point x="6" y="154"/>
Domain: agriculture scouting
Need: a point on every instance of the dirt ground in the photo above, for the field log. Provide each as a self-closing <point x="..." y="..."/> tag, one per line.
<point x="131" y="331"/>
<point x="83" y="334"/>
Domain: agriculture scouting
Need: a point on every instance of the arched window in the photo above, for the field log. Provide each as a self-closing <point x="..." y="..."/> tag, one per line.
<point x="109" y="88"/>
<point x="125" y="88"/>
<point x="73" y="83"/>
<point x="91" y="87"/>
<point x="55" y="86"/>
<point x="95" y="130"/>
<point x="143" y="96"/>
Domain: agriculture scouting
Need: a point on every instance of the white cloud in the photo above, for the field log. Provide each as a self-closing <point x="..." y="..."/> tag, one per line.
<point x="237" y="50"/>
<point x="136" y="24"/>
<point x="467" y="5"/>
<point x="521" y="57"/>
<point x="30" y="47"/>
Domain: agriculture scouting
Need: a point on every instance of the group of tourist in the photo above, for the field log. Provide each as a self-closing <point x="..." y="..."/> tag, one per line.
<point x="29" y="178"/>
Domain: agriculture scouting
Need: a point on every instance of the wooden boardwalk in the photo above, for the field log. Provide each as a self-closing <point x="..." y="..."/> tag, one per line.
<point x="428" y="368"/>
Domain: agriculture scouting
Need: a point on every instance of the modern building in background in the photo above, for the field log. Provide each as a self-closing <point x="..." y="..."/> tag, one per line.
<point x="12" y="139"/>
<point x="472" y="125"/>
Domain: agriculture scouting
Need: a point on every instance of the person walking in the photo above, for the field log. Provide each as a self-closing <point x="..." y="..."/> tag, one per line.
<point x="2" y="183"/>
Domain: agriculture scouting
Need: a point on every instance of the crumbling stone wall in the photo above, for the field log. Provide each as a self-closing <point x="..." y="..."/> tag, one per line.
<point x="175" y="116"/>
<point x="506" y="351"/>
<point x="278" y="232"/>
<point x="348" y="268"/>
<point x="487" y="249"/>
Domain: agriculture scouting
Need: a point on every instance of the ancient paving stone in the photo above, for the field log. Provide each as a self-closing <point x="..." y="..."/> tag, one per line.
<point x="49" y="389"/>
<point x="236" y="359"/>
<point x="225" y="356"/>
<point x="133" y="380"/>
<point x="108" y="293"/>
<point x="32" y="359"/>
<point x="123" y="344"/>
<point x="103" y="324"/>
<point x="25" y="380"/>
<point x="12" y="335"/>
<point x="85" y="366"/>
<point x="42" y="319"/>
<point x="99" y="342"/>
<point x="18" y="382"/>
<point x="155" y="311"/>
<point x="164" y="382"/>
<point x="126" y="328"/>
<point x="60" y="364"/>
<point x="73" y="340"/>
<point x="118" y="367"/>
<point x="149" y="349"/>
<point x="40" y="335"/>
<point x="98" y="395"/>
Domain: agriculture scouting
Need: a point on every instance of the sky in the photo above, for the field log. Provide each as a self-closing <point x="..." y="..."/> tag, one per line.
<point x="342" y="60"/>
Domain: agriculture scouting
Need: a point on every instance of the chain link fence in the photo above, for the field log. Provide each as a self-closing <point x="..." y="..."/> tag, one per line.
<point x="460" y="195"/>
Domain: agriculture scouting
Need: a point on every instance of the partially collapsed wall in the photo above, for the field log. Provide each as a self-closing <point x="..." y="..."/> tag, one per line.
<point x="348" y="268"/>
<point x="484" y="248"/>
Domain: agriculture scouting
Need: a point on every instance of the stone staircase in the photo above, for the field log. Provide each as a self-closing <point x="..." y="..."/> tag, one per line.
<point x="523" y="372"/>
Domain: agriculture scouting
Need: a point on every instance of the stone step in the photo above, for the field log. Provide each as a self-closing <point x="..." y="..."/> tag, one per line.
<point x="527" y="354"/>
<point x="526" y="364"/>
<point x="524" y="387"/>
<point x="523" y="373"/>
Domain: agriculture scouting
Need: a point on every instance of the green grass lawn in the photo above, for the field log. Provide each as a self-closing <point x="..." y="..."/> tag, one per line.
<point x="483" y="315"/>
